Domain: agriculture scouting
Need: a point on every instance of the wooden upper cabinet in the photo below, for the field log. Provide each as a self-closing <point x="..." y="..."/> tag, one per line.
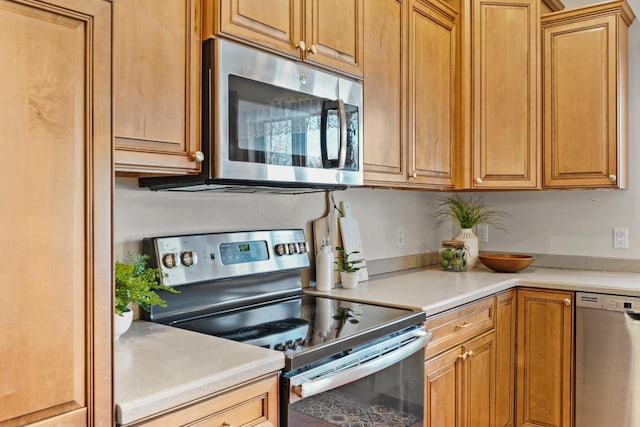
<point x="157" y="57"/>
<point x="544" y="358"/>
<point x="334" y="34"/>
<point x="55" y="128"/>
<point x="328" y="33"/>
<point x="586" y="96"/>
<point x="274" y="24"/>
<point x="383" y="87"/>
<point x="504" y="80"/>
<point x="432" y="93"/>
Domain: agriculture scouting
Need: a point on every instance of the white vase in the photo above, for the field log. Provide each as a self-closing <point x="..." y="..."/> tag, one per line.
<point x="122" y="323"/>
<point x="471" y="245"/>
<point x="349" y="280"/>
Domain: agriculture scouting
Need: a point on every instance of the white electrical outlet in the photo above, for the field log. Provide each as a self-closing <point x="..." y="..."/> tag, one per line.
<point x="620" y="238"/>
<point x="483" y="232"/>
<point x="399" y="236"/>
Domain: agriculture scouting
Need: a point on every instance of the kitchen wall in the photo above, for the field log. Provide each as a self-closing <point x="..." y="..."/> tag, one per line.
<point x="546" y="222"/>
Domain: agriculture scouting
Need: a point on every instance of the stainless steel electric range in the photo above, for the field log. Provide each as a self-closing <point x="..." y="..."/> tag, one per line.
<point x="345" y="362"/>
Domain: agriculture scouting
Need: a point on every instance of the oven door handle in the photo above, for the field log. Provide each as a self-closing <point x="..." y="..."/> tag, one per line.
<point x="316" y="386"/>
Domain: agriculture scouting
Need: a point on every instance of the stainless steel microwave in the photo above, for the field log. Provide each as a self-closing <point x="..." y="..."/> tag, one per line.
<point x="269" y="121"/>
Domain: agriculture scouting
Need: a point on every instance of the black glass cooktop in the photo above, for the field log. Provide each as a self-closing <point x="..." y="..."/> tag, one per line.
<point x="306" y="328"/>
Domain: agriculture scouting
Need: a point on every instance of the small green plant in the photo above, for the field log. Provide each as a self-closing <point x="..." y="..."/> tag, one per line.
<point x="137" y="283"/>
<point x="467" y="211"/>
<point x="343" y="263"/>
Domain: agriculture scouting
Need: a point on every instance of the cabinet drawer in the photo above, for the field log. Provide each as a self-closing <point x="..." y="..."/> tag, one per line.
<point x="254" y="404"/>
<point x="455" y="326"/>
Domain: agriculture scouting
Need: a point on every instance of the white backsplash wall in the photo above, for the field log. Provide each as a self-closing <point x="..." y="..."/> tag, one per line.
<point x="140" y="213"/>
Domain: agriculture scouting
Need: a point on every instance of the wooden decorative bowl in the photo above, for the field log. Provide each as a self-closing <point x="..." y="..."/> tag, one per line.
<point x="506" y="263"/>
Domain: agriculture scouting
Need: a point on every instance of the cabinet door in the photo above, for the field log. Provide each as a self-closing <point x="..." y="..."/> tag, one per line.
<point x="506" y="140"/>
<point x="585" y="103"/>
<point x="157" y="85"/>
<point x="432" y="93"/>
<point x="545" y="358"/>
<point x="274" y="24"/>
<point x="384" y="100"/>
<point x="334" y="32"/>
<point x="479" y="381"/>
<point x="55" y="131"/>
<point x="505" y="358"/>
<point x="442" y="388"/>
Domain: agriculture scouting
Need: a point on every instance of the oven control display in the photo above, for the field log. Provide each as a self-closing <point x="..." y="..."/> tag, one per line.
<point x="240" y="252"/>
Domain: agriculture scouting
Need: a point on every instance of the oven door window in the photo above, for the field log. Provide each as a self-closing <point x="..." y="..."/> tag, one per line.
<point x="393" y="396"/>
<point x="276" y="126"/>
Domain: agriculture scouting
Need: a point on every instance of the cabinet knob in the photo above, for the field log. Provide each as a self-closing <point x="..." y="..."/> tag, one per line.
<point x="198" y="156"/>
<point x="226" y="424"/>
<point x="567" y="302"/>
<point x="613" y="178"/>
<point x="470" y="353"/>
<point x="478" y="180"/>
<point x="302" y="46"/>
<point x="413" y="175"/>
<point x="313" y="49"/>
<point x="463" y="356"/>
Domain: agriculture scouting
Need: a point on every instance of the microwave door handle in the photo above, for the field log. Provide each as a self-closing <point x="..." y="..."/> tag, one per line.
<point x="342" y="115"/>
<point x="324" y="118"/>
<point x="312" y="387"/>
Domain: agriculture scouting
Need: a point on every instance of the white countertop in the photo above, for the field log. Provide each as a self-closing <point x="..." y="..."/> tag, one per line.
<point x="433" y="290"/>
<point x="158" y="367"/>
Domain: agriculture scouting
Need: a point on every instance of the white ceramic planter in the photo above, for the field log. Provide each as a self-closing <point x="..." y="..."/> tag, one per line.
<point x="122" y="323"/>
<point x="349" y="280"/>
<point x="471" y="245"/>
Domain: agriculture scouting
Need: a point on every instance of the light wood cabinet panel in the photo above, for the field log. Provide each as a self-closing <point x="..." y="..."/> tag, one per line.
<point x="334" y="34"/>
<point x="254" y="404"/>
<point x="157" y="57"/>
<point x="505" y="358"/>
<point x="460" y="385"/>
<point x="505" y="93"/>
<point x="432" y="93"/>
<point x="479" y="381"/>
<point x="545" y="358"/>
<point x="384" y="92"/>
<point x="55" y="130"/>
<point x="328" y="33"/>
<point x="274" y="24"/>
<point x="585" y="96"/>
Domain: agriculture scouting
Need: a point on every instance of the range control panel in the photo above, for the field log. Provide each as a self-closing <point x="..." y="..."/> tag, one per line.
<point x="608" y="302"/>
<point x="204" y="257"/>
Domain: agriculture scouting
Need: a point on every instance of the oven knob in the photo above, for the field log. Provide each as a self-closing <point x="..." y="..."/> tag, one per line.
<point x="281" y="249"/>
<point x="188" y="258"/>
<point x="303" y="247"/>
<point x="169" y="260"/>
<point x="293" y="248"/>
<point x="279" y="347"/>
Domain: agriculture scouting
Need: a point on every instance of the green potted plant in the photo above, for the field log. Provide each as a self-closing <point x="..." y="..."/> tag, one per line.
<point x="135" y="283"/>
<point x="467" y="211"/>
<point x="347" y="267"/>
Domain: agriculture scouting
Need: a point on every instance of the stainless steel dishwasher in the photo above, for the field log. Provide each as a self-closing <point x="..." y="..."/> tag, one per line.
<point x="607" y="360"/>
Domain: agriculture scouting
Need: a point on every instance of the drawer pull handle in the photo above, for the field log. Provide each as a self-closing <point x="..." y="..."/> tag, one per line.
<point x="226" y="424"/>
<point x="464" y="325"/>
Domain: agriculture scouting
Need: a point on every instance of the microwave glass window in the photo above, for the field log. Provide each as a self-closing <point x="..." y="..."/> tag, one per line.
<point x="272" y="125"/>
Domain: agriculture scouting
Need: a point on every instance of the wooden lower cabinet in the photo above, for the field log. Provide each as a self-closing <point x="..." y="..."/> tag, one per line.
<point x="505" y="358"/>
<point x="252" y="404"/>
<point x="460" y="385"/>
<point x="544" y="358"/>
<point x="55" y="219"/>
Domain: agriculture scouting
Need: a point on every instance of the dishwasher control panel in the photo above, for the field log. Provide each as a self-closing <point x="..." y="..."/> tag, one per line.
<point x="607" y="302"/>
